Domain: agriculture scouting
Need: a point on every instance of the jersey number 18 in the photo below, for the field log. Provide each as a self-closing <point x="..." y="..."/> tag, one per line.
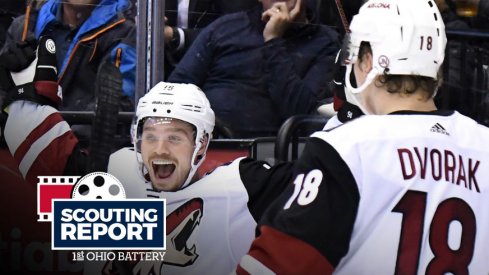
<point x="412" y="206"/>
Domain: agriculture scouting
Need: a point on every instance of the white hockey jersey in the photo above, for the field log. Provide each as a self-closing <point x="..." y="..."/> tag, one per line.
<point x="406" y="193"/>
<point x="209" y="226"/>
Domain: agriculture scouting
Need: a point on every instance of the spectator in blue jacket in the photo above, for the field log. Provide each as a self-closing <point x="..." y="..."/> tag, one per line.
<point x="86" y="32"/>
<point x="260" y="67"/>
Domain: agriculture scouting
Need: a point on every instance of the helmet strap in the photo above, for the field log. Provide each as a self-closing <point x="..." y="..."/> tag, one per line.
<point x="353" y="95"/>
<point x="195" y="166"/>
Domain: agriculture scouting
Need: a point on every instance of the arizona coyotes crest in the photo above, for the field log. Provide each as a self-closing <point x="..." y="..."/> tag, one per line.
<point x="180" y="225"/>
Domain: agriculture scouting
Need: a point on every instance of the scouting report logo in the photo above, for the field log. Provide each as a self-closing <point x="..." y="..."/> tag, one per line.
<point x="93" y="214"/>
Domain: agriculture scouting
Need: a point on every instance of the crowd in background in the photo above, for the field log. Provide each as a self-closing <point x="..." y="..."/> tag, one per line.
<point x="253" y="84"/>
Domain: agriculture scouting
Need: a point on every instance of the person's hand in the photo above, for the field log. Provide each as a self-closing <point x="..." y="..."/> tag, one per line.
<point x="168" y="34"/>
<point x="168" y="31"/>
<point x="30" y="73"/>
<point x="278" y="18"/>
<point x="172" y="37"/>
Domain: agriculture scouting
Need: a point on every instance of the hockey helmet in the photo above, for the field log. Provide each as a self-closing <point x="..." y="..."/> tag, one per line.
<point x="185" y="102"/>
<point x="407" y="37"/>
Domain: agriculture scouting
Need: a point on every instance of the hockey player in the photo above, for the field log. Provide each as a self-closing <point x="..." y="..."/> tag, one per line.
<point x="401" y="190"/>
<point x="210" y="221"/>
<point x="340" y="110"/>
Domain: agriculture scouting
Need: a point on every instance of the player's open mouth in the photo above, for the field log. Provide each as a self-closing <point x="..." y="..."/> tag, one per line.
<point x="163" y="168"/>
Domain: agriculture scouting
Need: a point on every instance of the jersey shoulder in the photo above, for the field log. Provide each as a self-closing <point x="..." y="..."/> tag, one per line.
<point x="124" y="166"/>
<point x="225" y="177"/>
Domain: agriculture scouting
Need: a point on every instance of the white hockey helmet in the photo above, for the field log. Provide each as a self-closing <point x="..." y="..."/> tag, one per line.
<point x="407" y="37"/>
<point x="185" y="102"/>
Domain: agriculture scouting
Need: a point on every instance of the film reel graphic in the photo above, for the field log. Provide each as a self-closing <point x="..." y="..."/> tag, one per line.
<point x="98" y="185"/>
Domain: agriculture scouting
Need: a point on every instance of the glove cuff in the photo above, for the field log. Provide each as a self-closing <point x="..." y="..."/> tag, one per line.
<point x="27" y="92"/>
<point x="49" y="89"/>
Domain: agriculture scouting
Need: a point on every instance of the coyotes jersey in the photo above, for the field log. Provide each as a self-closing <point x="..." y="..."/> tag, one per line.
<point x="210" y="223"/>
<point x="209" y="226"/>
<point x="406" y="193"/>
<point x="39" y="139"/>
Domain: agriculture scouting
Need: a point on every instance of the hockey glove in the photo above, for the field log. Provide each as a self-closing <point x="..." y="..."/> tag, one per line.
<point x="30" y="74"/>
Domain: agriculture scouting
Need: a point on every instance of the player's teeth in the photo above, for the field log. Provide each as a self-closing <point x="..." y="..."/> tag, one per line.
<point x="161" y="162"/>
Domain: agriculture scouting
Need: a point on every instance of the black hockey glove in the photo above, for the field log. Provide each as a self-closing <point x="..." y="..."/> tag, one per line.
<point x="27" y="73"/>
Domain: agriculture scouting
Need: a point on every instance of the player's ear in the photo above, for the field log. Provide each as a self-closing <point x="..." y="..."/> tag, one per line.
<point x="366" y="63"/>
<point x="203" y="147"/>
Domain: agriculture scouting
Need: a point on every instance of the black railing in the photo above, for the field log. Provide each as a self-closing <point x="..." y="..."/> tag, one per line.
<point x="466" y="74"/>
<point x="466" y="34"/>
<point x="86" y="117"/>
<point x="292" y="131"/>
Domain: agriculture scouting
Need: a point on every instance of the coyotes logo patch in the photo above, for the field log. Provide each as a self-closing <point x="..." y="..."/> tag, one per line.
<point x="180" y="225"/>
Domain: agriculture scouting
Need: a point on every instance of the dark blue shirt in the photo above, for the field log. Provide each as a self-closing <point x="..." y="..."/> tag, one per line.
<point x="254" y="86"/>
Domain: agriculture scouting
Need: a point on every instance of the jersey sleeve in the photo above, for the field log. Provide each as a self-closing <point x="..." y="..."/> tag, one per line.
<point x="307" y="229"/>
<point x="40" y="141"/>
<point x="263" y="183"/>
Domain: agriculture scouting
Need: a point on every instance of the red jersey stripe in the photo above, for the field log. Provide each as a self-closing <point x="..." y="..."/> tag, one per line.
<point x="284" y="254"/>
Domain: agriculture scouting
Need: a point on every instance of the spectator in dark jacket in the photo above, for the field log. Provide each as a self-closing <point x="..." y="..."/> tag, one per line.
<point x="333" y="14"/>
<point x="86" y="32"/>
<point x="261" y="66"/>
<point x="9" y="9"/>
<point x="187" y="18"/>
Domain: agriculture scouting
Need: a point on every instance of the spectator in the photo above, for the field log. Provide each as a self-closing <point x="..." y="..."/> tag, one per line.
<point x="187" y="18"/>
<point x="87" y="32"/>
<point x="328" y="12"/>
<point x="402" y="191"/>
<point x="261" y="66"/>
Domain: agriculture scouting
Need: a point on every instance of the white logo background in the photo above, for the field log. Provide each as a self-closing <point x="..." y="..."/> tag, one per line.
<point x="50" y="46"/>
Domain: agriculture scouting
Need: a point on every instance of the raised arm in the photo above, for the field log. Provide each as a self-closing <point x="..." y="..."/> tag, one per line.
<point x="41" y="142"/>
<point x="308" y="228"/>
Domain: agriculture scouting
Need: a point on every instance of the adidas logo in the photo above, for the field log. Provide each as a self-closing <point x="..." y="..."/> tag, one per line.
<point x="437" y="128"/>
